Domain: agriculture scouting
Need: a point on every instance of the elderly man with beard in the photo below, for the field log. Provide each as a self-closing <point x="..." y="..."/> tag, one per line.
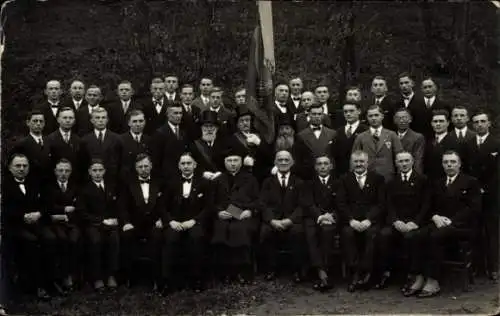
<point x="285" y="137"/>
<point x="235" y="222"/>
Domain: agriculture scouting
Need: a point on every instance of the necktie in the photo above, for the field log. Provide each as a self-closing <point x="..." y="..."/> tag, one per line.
<point x="323" y="180"/>
<point x="170" y="97"/>
<point x="360" y="181"/>
<point x="315" y="128"/>
<point x="22" y="187"/>
<point x="375" y="135"/>
<point x="142" y="181"/>
<point x="377" y="101"/>
<point x="405" y="177"/>
<point x="479" y="141"/>
<point x="66" y="137"/>
<point x="401" y="135"/>
<point x="187" y="180"/>
<point x="448" y="182"/>
<point x="188" y="108"/>
<point x="101" y="186"/>
<point x="137" y="138"/>
<point x="461" y="135"/>
<point x="427" y="102"/>
<point x="100" y="136"/>
<point x="63" y="186"/>
<point x="349" y="131"/>
<point x="176" y="131"/>
<point x="40" y="142"/>
<point x="283" y="181"/>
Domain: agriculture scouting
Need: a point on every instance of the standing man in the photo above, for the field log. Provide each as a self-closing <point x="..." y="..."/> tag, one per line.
<point x="282" y="104"/>
<point x="323" y="98"/>
<point x="482" y="155"/>
<point x="119" y="111"/>
<point x="314" y="140"/>
<point x="459" y="119"/>
<point x="93" y="96"/>
<point x="296" y="87"/>
<point x="171" y="86"/>
<point x="156" y="108"/>
<point x="360" y="201"/>
<point x="51" y="107"/>
<point x="380" y="97"/>
<point x="98" y="203"/>
<point x="224" y="115"/>
<point x="203" y="101"/>
<point x="240" y="97"/>
<point x="379" y="143"/>
<point x="407" y="98"/>
<point x="77" y="94"/>
<point x="346" y="135"/>
<point x="142" y="206"/>
<point x="190" y="114"/>
<point x="412" y="142"/>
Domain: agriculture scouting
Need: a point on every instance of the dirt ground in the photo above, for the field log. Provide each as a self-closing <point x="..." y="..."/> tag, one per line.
<point x="269" y="298"/>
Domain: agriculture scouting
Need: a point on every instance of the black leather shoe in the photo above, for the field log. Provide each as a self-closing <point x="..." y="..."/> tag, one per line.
<point x="322" y="285"/>
<point x="425" y="293"/>
<point x="494" y="276"/>
<point x="270" y="276"/>
<point x="364" y="282"/>
<point x="42" y="294"/>
<point x="410" y="292"/>
<point x="353" y="285"/>
<point x="383" y="282"/>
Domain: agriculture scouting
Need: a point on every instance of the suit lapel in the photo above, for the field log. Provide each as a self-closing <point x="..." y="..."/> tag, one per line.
<point x="381" y="140"/>
<point x="309" y="138"/>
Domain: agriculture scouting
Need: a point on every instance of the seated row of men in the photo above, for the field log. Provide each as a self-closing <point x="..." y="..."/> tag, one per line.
<point x="46" y="222"/>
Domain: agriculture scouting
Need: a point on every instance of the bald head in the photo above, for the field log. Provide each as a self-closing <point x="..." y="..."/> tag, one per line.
<point x="53" y="90"/>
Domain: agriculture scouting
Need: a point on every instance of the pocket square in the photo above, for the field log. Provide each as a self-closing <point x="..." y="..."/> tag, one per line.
<point x="200" y="195"/>
<point x="494" y="154"/>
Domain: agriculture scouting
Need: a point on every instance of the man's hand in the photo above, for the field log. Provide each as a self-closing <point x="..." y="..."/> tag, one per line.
<point x="438" y="221"/>
<point x="127" y="226"/>
<point x="224" y="215"/>
<point x="110" y="222"/>
<point x="248" y="161"/>
<point x="400" y="226"/>
<point x="356" y="225"/>
<point x="32" y="217"/>
<point x="411" y="226"/>
<point x="329" y="218"/>
<point x="365" y="224"/>
<point x="253" y="139"/>
<point x="286" y="222"/>
<point x="59" y="218"/>
<point x="188" y="224"/>
<point x="208" y="175"/>
<point x="69" y="209"/>
<point x="274" y="170"/>
<point x="246" y="214"/>
<point x="446" y="220"/>
<point x="277" y="224"/>
<point x="175" y="225"/>
<point x="159" y="224"/>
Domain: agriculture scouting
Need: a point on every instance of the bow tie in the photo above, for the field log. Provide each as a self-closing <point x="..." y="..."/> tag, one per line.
<point x="187" y="180"/>
<point x="314" y="129"/>
<point x="296" y="99"/>
<point x="20" y="181"/>
<point x="144" y="181"/>
<point x="54" y="106"/>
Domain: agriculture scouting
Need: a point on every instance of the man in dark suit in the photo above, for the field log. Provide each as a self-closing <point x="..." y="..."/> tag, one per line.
<point x="408" y="97"/>
<point x="482" y="159"/>
<point x="203" y="101"/>
<point x="345" y="137"/>
<point x="235" y="222"/>
<point x="34" y="147"/>
<point x="412" y="142"/>
<point x="98" y="203"/>
<point x="318" y="200"/>
<point x="93" y="96"/>
<point x="285" y="136"/>
<point x="323" y="98"/>
<point x="421" y="110"/>
<point x="380" y="143"/>
<point x="59" y="201"/>
<point x="455" y="204"/>
<point x="209" y="149"/>
<point x="190" y="114"/>
<point x="282" y="103"/>
<point x="76" y="95"/>
<point x="407" y="203"/>
<point x="436" y="146"/>
<point x="133" y="143"/>
<point x="380" y="97"/>
<point x="22" y="227"/>
<point x="118" y="111"/>
<point x="302" y="116"/>
<point x="360" y="200"/>
<point x="282" y="217"/>
<point x="240" y="97"/>
<point x="155" y="109"/>
<point x="103" y="144"/>
<point x="224" y="115"/>
<point x="171" y="86"/>
<point x="142" y="205"/>
<point x="51" y="106"/>
<point x="459" y="119"/>
<point x="314" y="140"/>
<point x="296" y="87"/>
<point x="64" y="143"/>
<point x="169" y="142"/>
<point x="189" y="204"/>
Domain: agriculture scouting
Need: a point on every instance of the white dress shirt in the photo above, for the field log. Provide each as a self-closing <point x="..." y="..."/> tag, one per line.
<point x="481" y="139"/>
<point x="353" y="126"/>
<point x="21" y="185"/>
<point x="361" y="178"/>
<point x="91" y="108"/>
<point x="280" y="107"/>
<point x="77" y="103"/>
<point x="173" y="127"/>
<point x="440" y="137"/>
<point x="429" y="101"/>
<point x="38" y="139"/>
<point x="100" y="184"/>
<point x="96" y="132"/>
<point x="54" y="109"/>
<point x="280" y="176"/>
<point x="463" y="130"/>
<point x="205" y="99"/>
<point x="407" y="99"/>
<point x="170" y="96"/>
<point x="325" y="108"/>
<point x="408" y="175"/>
<point x="125" y="105"/>
<point x="450" y="180"/>
<point x="186" y="187"/>
<point x="317" y="133"/>
<point x="65" y="135"/>
<point x="145" y="190"/>
<point x="378" y="130"/>
<point x="324" y="180"/>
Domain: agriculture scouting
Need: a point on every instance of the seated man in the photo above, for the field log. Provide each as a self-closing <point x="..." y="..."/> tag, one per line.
<point x="282" y="216"/>
<point x="318" y="200"/>
<point x="59" y="200"/>
<point x="407" y="205"/>
<point x="99" y="212"/>
<point x="142" y="205"/>
<point x="22" y="228"/>
<point x="455" y="205"/>
<point x="234" y="226"/>
<point x="360" y="201"/>
<point x="189" y="203"/>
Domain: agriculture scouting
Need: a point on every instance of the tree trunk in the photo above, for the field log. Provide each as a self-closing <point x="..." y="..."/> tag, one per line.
<point x="349" y="64"/>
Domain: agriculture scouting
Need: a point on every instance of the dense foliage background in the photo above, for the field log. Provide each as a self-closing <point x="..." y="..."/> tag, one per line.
<point x="103" y="42"/>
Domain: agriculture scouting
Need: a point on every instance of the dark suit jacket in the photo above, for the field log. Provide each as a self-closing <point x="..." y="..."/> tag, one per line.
<point x="317" y="199"/>
<point x="400" y="103"/>
<point x="335" y="113"/>
<point x="241" y="190"/>
<point x="482" y="163"/>
<point x="381" y="154"/>
<point x="360" y="204"/>
<point x="39" y="156"/>
<point x="136" y="210"/>
<point x="68" y="102"/>
<point x="109" y="151"/>
<point x="15" y="204"/>
<point x="117" y="117"/>
<point x="414" y="143"/>
<point x="422" y="116"/>
<point x="129" y="151"/>
<point x="198" y="206"/>
<point x="460" y="201"/>
<point x="154" y="120"/>
<point x="307" y="147"/>
<point x="433" y="156"/>
<point x="388" y="105"/>
<point x="408" y="200"/>
<point x="469" y="135"/>
<point x="198" y="102"/>
<point x="190" y="122"/>
<point x="59" y="149"/>
<point x="208" y="158"/>
<point x="343" y="147"/>
<point x="83" y="125"/>
<point x="167" y="149"/>
<point x="226" y="119"/>
<point x="55" y="200"/>
<point x="278" y="203"/>
<point x="302" y="123"/>
<point x="96" y="205"/>
<point x="50" y="119"/>
<point x="262" y="154"/>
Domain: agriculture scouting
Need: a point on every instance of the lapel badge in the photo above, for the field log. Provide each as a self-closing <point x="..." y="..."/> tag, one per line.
<point x="464" y="192"/>
<point x="200" y="195"/>
<point x="388" y="144"/>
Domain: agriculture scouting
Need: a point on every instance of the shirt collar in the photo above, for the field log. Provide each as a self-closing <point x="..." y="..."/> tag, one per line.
<point x="483" y="138"/>
<point x="135" y="135"/>
<point x="64" y="133"/>
<point x="144" y="179"/>
<point x="408" y="174"/>
<point x="324" y="178"/>
<point x="378" y="129"/>
<point x="53" y="103"/>
<point x="77" y="101"/>
<point x="279" y="175"/>
<point x="410" y="96"/>
<point x="403" y="133"/>
<point x="98" y="183"/>
<point x="172" y="126"/>
<point x="36" y="138"/>
<point x="216" y="110"/>
<point x="452" y="178"/>
<point x="190" y="177"/>
<point x="155" y="100"/>
<point x="458" y="130"/>
<point x="431" y="99"/>
<point x="96" y="132"/>
<point x="354" y="125"/>
<point x="361" y="175"/>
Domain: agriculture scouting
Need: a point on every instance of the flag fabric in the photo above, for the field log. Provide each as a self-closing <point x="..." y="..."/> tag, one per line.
<point x="261" y="66"/>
